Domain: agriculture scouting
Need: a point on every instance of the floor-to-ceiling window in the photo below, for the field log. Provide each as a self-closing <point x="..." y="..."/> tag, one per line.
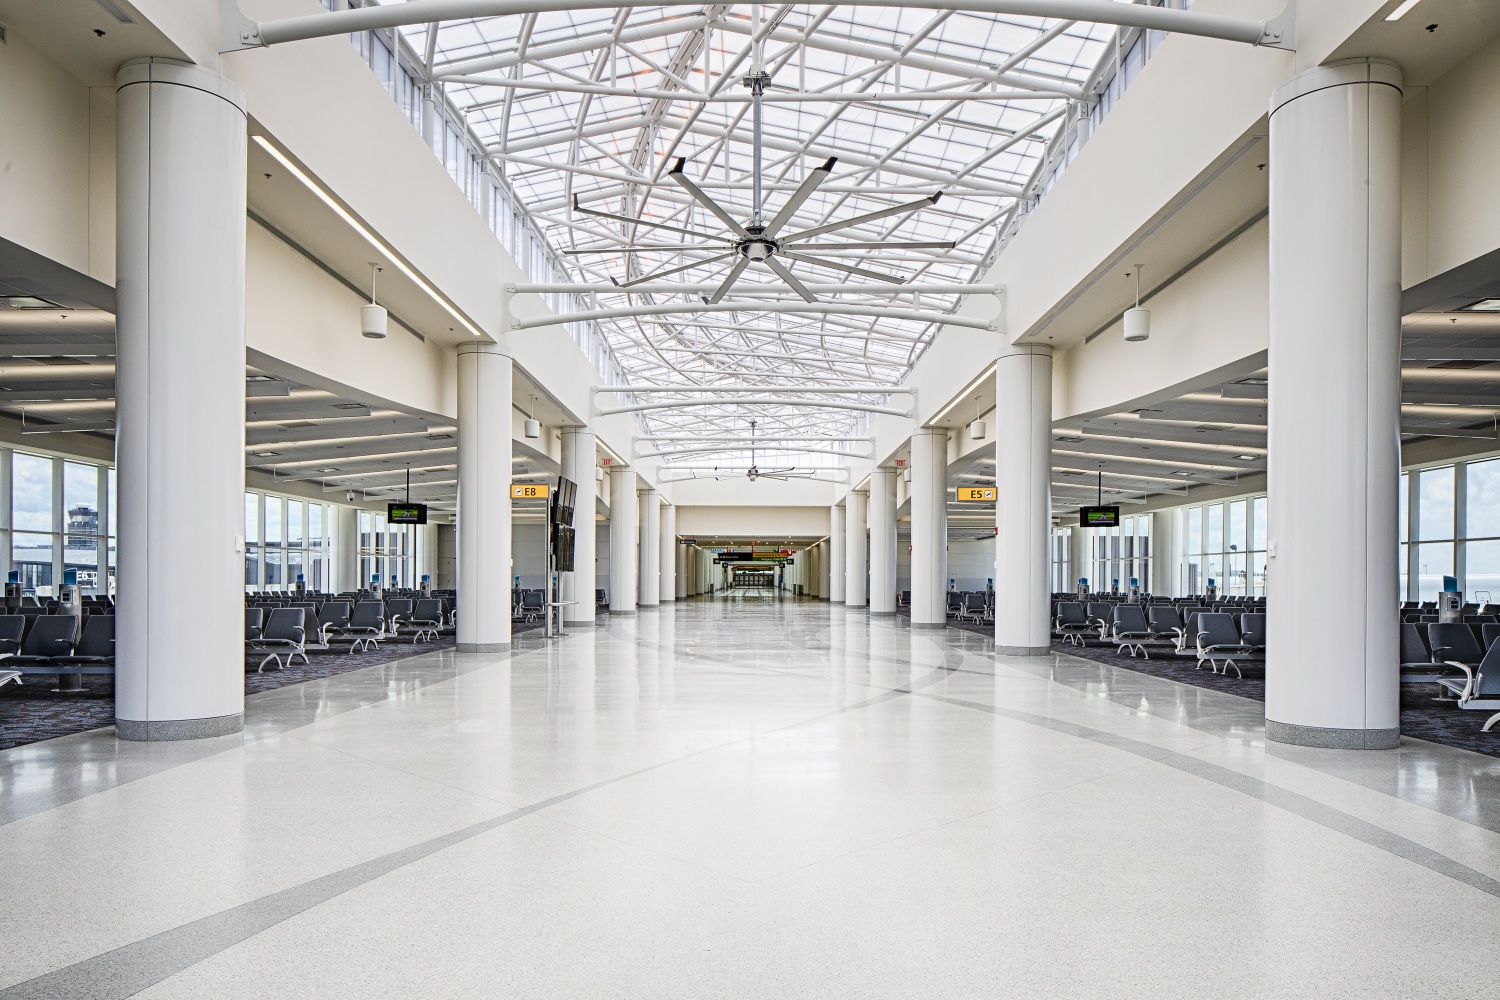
<point x="286" y="543"/>
<point x="1122" y="553"/>
<point x="1224" y="543"/>
<point x="386" y="549"/>
<point x="1062" y="560"/>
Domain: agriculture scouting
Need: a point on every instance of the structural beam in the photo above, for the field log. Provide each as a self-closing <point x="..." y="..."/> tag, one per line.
<point x="753" y="401"/>
<point x="239" y="32"/>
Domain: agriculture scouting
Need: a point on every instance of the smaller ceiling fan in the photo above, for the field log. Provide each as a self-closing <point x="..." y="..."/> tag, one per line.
<point x="753" y="473"/>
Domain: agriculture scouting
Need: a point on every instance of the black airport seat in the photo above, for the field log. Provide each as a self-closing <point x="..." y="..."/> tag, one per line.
<point x="1454" y="642"/>
<point x="50" y="636"/>
<point x="1479" y="687"/>
<point x="284" y="635"/>
<point x="254" y="620"/>
<point x="1128" y="630"/>
<point x="96" y="647"/>
<point x="426" y="619"/>
<point x="366" y="626"/>
<point x="1219" y="641"/>
<point x="1072" y="623"/>
<point x="12" y="631"/>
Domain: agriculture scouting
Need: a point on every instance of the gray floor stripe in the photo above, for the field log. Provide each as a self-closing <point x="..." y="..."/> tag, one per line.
<point x="131" y="968"/>
<point x="1300" y="805"/>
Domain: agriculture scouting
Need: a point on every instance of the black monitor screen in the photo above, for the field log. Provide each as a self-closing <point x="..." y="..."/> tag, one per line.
<point x="1099" y="517"/>
<point x="406" y="513"/>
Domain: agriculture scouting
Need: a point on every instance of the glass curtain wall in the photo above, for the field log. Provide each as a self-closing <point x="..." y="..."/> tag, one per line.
<point x="1450" y="526"/>
<point x="387" y="549"/>
<point x="1224" y="542"/>
<point x="1062" y="561"/>
<point x="61" y="516"/>
<point x="286" y="537"/>
<point x="1121" y="553"/>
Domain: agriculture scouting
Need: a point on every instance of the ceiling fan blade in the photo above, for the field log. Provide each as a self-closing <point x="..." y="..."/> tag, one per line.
<point x="886" y="245"/>
<point x="883" y="213"/>
<point x="734" y="274"/>
<point x="846" y="268"/>
<point x="665" y="247"/>
<point x="804" y="191"/>
<point x="642" y="222"/>
<point x="790" y="279"/>
<point x="662" y="274"/>
<point x="686" y="183"/>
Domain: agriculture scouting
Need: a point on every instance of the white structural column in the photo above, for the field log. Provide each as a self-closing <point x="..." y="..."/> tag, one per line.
<point x="180" y="386"/>
<point x="484" y="535"/>
<point x="883" y="542"/>
<point x="1334" y="410"/>
<point x="622" y="541"/>
<point x="667" y="562"/>
<point x="1023" y="499"/>
<point x="649" y="594"/>
<point x="578" y="464"/>
<point x="680" y="568"/>
<point x="346" y="542"/>
<point x="856" y="582"/>
<point x="836" y="554"/>
<point x="929" y="528"/>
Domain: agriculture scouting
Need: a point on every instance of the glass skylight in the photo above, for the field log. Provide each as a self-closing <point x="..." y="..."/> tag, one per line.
<point x="597" y="106"/>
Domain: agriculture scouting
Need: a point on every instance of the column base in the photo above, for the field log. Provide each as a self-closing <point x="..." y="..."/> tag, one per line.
<point x="1333" y="739"/>
<point x="138" y="730"/>
<point x="482" y="647"/>
<point x="1023" y="650"/>
<point x="621" y="613"/>
<point x="932" y="625"/>
<point x="883" y="614"/>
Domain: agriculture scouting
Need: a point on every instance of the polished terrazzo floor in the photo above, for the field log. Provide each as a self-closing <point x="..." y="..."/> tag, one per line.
<point x="746" y="799"/>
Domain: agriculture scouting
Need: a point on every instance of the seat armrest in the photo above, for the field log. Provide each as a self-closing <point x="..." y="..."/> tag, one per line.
<point x="1468" y="679"/>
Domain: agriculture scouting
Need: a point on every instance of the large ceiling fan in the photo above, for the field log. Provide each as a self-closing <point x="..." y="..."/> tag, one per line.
<point x="761" y="241"/>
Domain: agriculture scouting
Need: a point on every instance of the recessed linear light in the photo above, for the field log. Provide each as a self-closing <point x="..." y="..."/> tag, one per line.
<point x="28" y="302"/>
<point x="1402" y="10"/>
<point x="1482" y="306"/>
<point x="260" y="378"/>
<point x="1256" y="380"/>
<point x="265" y="454"/>
<point x="326" y="198"/>
<point x="1245" y="458"/>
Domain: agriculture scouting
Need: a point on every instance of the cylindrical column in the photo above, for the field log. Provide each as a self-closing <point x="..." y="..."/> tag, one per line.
<point x="856" y="583"/>
<point x="667" y="562"/>
<point x="929" y="527"/>
<point x="1334" y="407"/>
<point x="622" y="541"/>
<point x="180" y="387"/>
<point x="883" y="542"/>
<point x="836" y="554"/>
<point x="681" y="568"/>
<point x="347" y="527"/>
<point x="484" y="453"/>
<point x="649" y="594"/>
<point x="578" y="464"/>
<point x="1023" y="499"/>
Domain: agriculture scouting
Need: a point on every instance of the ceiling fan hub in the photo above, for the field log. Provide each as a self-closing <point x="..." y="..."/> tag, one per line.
<point x="758" y="249"/>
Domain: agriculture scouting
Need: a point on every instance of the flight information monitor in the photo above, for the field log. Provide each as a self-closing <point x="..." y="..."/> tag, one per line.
<point x="406" y="513"/>
<point x="1099" y="517"/>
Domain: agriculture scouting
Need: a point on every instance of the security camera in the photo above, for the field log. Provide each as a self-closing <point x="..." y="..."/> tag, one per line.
<point x="349" y="496"/>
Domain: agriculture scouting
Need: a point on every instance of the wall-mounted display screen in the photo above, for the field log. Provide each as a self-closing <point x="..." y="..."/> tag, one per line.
<point x="1099" y="517"/>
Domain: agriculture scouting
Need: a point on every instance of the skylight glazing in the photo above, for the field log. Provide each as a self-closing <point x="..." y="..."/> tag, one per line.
<point x="593" y="107"/>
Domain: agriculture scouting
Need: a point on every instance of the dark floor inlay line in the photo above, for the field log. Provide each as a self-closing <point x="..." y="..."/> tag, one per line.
<point x="1317" y="812"/>
<point x="131" y="968"/>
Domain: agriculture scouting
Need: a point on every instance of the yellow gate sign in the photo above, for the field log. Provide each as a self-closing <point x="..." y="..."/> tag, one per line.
<point x="982" y="494"/>
<point x="529" y="491"/>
